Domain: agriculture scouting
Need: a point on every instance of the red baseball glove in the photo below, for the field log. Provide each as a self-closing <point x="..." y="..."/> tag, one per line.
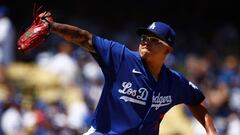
<point x="37" y="32"/>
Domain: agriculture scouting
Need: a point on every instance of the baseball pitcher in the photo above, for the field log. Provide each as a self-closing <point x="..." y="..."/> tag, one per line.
<point x="139" y="89"/>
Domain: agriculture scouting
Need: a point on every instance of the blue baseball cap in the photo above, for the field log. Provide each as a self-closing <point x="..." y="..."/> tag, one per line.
<point x="160" y="30"/>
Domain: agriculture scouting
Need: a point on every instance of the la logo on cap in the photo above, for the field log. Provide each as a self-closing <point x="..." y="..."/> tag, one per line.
<point x="152" y="26"/>
<point x="169" y="39"/>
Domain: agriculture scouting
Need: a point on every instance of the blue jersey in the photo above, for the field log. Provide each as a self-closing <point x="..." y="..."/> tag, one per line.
<point x="132" y="101"/>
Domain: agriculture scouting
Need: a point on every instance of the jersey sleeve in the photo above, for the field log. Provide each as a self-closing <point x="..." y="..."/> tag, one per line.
<point x="108" y="54"/>
<point x="187" y="92"/>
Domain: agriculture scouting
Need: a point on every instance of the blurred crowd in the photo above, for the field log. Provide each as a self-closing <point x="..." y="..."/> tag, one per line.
<point x="54" y="90"/>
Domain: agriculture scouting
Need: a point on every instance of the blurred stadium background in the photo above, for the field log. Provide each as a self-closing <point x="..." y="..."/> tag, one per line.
<point x="54" y="89"/>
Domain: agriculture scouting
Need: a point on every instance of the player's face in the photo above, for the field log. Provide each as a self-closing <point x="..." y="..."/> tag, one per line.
<point x="151" y="46"/>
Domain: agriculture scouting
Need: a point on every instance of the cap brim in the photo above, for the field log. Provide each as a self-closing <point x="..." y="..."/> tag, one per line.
<point x="141" y="31"/>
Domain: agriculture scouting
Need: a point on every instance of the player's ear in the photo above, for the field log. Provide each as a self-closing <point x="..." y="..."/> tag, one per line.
<point x="168" y="50"/>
